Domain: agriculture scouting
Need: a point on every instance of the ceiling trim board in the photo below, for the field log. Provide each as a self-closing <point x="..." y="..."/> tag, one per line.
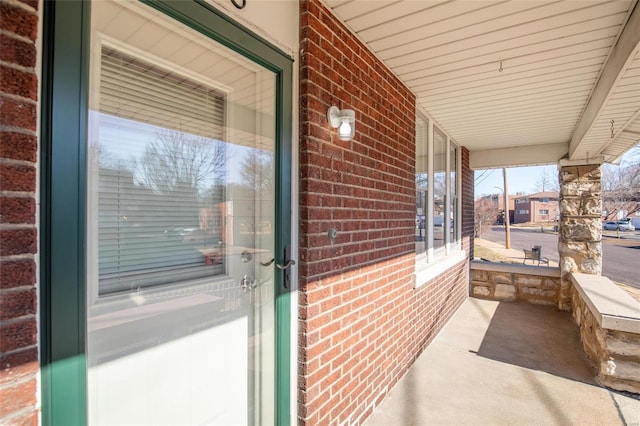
<point x="518" y="156"/>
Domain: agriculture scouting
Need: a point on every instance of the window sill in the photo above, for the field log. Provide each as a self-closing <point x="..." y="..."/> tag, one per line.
<point x="425" y="272"/>
<point x="126" y="301"/>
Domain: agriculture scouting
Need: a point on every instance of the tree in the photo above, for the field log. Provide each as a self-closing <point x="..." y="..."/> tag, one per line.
<point x="422" y="180"/>
<point x="179" y="161"/>
<point x="485" y="213"/>
<point x="546" y="182"/>
<point x="183" y="175"/>
<point x="100" y="156"/>
<point x="621" y="185"/>
<point x="256" y="171"/>
<point x="422" y="189"/>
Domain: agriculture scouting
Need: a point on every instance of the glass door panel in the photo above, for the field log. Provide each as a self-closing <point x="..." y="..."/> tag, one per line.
<point x="181" y="215"/>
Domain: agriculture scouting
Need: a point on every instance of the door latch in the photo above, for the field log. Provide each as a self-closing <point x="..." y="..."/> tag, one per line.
<point x="285" y="267"/>
<point x="247" y="283"/>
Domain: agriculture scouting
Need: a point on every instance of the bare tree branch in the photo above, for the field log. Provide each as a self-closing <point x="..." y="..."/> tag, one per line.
<point x="485" y="213"/>
<point x="546" y="182"/>
<point x="621" y="186"/>
<point x="257" y="171"/>
<point x="176" y="160"/>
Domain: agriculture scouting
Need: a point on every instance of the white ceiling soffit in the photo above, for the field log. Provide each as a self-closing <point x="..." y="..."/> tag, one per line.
<point x="501" y="77"/>
<point x="608" y="123"/>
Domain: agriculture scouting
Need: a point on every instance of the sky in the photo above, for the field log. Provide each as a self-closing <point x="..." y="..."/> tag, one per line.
<point x="126" y="140"/>
<point x="525" y="179"/>
<point x="519" y="179"/>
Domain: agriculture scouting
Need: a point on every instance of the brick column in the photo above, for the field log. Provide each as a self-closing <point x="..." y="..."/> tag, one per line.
<point x="579" y="240"/>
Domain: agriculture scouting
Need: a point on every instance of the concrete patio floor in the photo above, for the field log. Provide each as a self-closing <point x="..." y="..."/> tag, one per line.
<point x="499" y="363"/>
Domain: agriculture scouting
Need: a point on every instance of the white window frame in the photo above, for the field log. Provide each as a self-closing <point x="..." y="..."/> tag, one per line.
<point x="431" y="263"/>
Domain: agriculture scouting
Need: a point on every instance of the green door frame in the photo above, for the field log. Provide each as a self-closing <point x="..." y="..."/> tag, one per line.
<point x="63" y="198"/>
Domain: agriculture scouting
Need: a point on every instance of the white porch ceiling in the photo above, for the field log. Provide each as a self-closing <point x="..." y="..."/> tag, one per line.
<point x="516" y="82"/>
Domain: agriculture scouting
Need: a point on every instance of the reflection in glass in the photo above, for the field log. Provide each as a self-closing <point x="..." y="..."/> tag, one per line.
<point x="181" y="211"/>
<point x="422" y="184"/>
<point x="453" y="155"/>
<point x="159" y="214"/>
<point x="439" y="187"/>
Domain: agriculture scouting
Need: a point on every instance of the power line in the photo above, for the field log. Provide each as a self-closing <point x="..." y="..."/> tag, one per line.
<point x="483" y="175"/>
<point x="484" y="172"/>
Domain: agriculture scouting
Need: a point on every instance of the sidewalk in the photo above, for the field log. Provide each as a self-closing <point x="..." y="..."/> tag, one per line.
<point x="508" y="255"/>
<point x="504" y="364"/>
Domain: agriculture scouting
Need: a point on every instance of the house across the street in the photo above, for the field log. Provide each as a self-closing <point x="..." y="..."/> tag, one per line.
<point x="536" y="208"/>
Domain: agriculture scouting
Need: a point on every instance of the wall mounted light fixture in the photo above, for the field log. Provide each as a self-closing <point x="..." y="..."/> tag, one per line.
<point x="344" y="120"/>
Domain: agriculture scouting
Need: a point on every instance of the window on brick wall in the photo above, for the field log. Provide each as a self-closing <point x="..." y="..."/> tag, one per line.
<point x="439" y="188"/>
<point x="437" y="163"/>
<point x="422" y="184"/>
<point x="453" y="193"/>
<point x="543" y="211"/>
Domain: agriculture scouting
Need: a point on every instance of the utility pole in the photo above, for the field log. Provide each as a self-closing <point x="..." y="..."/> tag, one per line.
<point x="507" y="230"/>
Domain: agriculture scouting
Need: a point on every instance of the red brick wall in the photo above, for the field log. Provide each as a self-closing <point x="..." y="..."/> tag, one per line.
<point x="361" y="322"/>
<point x="551" y="206"/>
<point x="522" y="217"/>
<point x="18" y="237"/>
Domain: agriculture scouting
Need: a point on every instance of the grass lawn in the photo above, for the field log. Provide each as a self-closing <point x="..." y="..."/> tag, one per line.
<point x="488" y="254"/>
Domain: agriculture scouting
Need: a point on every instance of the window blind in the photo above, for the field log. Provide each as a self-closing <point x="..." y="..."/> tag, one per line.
<point x="160" y="223"/>
<point x="137" y="90"/>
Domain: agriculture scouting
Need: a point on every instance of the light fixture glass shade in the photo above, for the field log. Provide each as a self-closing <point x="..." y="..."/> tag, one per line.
<point x="345" y="131"/>
<point x="344" y="120"/>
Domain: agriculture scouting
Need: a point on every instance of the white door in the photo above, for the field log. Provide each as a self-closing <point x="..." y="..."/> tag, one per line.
<point x="180" y="307"/>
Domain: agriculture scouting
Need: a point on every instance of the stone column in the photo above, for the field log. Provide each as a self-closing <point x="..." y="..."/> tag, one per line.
<point x="580" y="236"/>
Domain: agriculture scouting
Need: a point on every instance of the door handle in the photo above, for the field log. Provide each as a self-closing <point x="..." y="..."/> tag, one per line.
<point x="279" y="266"/>
<point x="289" y="264"/>
<point x="283" y="267"/>
<point x="269" y="262"/>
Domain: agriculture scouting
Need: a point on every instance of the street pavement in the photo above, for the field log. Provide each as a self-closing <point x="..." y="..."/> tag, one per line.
<point x="620" y="256"/>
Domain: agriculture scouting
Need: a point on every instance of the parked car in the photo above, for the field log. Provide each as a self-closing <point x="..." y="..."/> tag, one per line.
<point x="622" y="225"/>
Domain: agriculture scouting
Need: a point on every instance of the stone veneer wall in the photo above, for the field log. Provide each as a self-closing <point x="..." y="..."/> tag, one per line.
<point x="615" y="355"/>
<point x="579" y="240"/>
<point x="515" y="283"/>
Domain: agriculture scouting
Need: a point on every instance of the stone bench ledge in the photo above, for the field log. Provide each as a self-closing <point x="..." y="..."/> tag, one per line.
<point x="612" y="307"/>
<point x="516" y="268"/>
